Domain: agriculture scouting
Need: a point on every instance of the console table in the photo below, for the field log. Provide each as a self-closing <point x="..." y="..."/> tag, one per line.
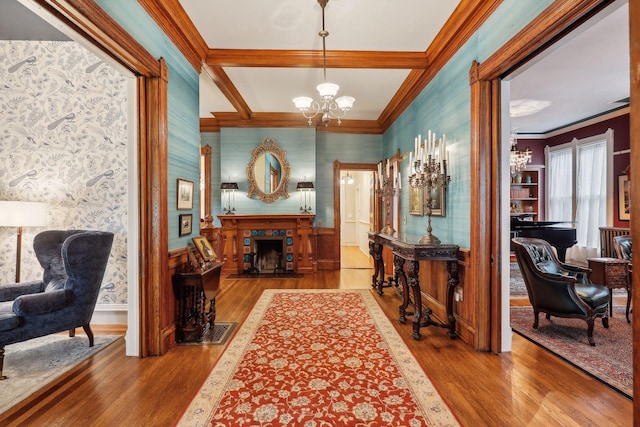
<point x="193" y="291"/>
<point x="407" y="250"/>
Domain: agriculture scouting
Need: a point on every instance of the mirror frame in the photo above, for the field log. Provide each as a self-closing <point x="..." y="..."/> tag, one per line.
<point x="268" y="145"/>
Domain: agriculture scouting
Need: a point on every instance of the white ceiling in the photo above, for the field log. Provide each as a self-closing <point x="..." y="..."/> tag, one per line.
<point x="369" y="25"/>
<point x="579" y="76"/>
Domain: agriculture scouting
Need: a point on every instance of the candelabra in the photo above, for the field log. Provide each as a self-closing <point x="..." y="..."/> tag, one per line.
<point x="390" y="186"/>
<point x="429" y="171"/>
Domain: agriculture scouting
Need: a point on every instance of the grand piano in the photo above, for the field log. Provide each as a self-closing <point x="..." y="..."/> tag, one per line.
<point x="561" y="238"/>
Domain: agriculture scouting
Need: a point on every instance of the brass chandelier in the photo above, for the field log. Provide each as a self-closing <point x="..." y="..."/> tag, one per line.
<point x="329" y="106"/>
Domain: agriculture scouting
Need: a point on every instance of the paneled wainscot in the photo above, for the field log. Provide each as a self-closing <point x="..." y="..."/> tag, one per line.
<point x="264" y="244"/>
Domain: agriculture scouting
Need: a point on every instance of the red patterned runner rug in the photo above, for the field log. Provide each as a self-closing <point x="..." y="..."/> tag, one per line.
<point x="317" y="358"/>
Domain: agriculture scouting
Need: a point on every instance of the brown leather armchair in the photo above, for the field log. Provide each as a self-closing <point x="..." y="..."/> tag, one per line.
<point x="559" y="289"/>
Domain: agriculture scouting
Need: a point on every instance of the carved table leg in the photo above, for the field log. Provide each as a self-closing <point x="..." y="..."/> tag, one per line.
<point x="377" y="280"/>
<point x="414" y="283"/>
<point x="398" y="270"/>
<point x="452" y="282"/>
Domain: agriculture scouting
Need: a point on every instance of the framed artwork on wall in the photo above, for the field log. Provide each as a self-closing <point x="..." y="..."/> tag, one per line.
<point x="186" y="224"/>
<point x="416" y="203"/>
<point x="185" y="194"/>
<point x="204" y="247"/>
<point x="438" y="201"/>
<point x="624" y="198"/>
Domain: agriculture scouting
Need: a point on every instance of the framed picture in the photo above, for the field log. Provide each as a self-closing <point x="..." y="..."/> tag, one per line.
<point x="438" y="201"/>
<point x="185" y="194"/>
<point x="193" y="260"/>
<point x="204" y="247"/>
<point x="416" y="201"/>
<point x="624" y="198"/>
<point x="186" y="223"/>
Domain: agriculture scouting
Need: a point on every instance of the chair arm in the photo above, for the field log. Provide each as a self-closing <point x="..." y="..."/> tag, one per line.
<point x="575" y="268"/>
<point x="14" y="290"/>
<point x="557" y="277"/>
<point x="42" y="303"/>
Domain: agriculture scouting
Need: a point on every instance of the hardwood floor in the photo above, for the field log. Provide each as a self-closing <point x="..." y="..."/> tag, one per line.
<point x="528" y="386"/>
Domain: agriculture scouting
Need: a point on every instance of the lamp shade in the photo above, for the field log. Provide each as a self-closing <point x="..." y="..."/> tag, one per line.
<point x="229" y="186"/>
<point x="304" y="186"/>
<point x="345" y="102"/>
<point x="327" y="90"/>
<point x="302" y="102"/>
<point x="23" y="214"/>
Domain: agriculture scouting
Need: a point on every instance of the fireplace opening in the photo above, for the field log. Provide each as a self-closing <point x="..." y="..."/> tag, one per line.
<point x="267" y="256"/>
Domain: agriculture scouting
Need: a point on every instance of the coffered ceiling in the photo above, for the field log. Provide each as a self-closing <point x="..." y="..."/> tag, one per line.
<point x="257" y="55"/>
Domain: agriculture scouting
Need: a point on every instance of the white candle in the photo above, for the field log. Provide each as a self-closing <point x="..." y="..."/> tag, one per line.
<point x="399" y="181"/>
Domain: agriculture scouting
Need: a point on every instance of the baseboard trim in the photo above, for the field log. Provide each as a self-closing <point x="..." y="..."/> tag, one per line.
<point x="110" y="314"/>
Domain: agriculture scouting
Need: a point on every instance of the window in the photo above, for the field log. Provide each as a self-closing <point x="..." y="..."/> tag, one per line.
<point x="580" y="190"/>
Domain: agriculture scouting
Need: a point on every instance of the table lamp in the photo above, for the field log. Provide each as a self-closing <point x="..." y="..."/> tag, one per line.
<point x="305" y="187"/>
<point x="229" y="188"/>
<point x="22" y="214"/>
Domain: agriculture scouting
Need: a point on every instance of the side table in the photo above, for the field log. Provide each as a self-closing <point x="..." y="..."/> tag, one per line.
<point x="613" y="273"/>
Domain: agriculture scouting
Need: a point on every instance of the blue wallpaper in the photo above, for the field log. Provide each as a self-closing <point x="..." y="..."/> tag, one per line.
<point x="444" y="107"/>
<point x="236" y="145"/>
<point x="183" y="94"/>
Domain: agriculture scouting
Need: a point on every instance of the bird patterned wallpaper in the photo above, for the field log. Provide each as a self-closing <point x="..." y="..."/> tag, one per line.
<point x="63" y="140"/>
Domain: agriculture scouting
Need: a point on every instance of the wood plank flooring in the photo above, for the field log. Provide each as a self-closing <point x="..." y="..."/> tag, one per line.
<point x="527" y="387"/>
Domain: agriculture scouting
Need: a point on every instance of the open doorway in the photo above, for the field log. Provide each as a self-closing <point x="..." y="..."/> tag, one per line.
<point x="89" y="126"/>
<point x="356" y="218"/>
<point x="576" y="88"/>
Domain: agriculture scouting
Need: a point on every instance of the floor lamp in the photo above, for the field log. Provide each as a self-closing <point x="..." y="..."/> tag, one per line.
<point x="22" y="214"/>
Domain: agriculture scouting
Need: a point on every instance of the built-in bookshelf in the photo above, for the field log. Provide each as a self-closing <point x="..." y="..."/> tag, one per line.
<point x="525" y="193"/>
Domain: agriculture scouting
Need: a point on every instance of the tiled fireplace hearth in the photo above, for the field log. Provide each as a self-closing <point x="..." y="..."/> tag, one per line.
<point x="267" y="243"/>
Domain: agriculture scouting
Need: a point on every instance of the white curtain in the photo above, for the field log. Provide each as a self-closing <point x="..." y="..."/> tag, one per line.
<point x="560" y="188"/>
<point x="591" y="199"/>
<point x="577" y="177"/>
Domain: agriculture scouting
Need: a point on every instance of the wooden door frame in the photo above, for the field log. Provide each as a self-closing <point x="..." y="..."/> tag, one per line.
<point x="557" y="20"/>
<point x="337" y="168"/>
<point x="96" y="26"/>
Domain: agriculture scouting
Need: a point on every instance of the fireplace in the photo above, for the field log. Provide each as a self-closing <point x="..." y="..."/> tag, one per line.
<point x="268" y="255"/>
<point x="286" y="239"/>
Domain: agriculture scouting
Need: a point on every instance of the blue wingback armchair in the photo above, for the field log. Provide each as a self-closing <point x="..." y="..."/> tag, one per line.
<point x="74" y="262"/>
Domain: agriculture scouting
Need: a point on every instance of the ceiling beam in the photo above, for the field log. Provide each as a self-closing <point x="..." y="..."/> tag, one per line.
<point x="285" y="120"/>
<point x="228" y="89"/>
<point x="314" y="59"/>
<point x="465" y="20"/>
<point x="176" y="24"/>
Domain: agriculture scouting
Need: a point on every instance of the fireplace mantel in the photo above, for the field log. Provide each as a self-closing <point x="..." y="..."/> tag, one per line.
<point x="240" y="231"/>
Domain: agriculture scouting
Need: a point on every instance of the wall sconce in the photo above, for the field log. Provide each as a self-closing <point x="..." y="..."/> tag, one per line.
<point x="229" y="188"/>
<point x="22" y="214"/>
<point x="305" y="187"/>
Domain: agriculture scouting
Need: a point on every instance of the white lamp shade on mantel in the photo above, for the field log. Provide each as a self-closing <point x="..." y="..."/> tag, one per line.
<point x="23" y="214"/>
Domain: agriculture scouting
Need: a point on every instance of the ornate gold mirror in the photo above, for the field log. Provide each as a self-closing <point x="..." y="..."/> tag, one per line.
<point x="268" y="172"/>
